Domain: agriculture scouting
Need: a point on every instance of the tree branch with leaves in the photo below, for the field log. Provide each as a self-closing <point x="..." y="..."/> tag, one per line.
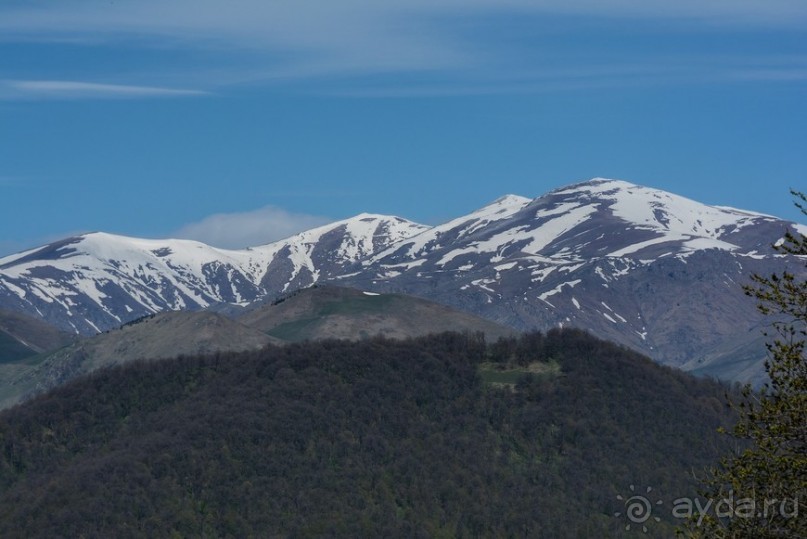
<point x="766" y="480"/>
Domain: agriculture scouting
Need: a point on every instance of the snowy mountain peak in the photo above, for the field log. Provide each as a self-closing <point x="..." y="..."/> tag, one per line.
<point x="640" y="198"/>
<point x="96" y="281"/>
<point x="526" y="260"/>
<point x="670" y="217"/>
<point x="594" y="186"/>
<point x="510" y="200"/>
<point x="349" y="239"/>
<point x="504" y="204"/>
<point x="455" y="230"/>
<point x="394" y="227"/>
<point x="641" y="266"/>
<point x="573" y="227"/>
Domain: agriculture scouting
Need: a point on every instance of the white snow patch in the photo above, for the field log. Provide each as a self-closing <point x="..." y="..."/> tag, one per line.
<point x="563" y="207"/>
<point x="606" y="315"/>
<point x="454" y="254"/>
<point x="630" y="249"/>
<point x="403" y="265"/>
<point x="697" y="244"/>
<point x="558" y="289"/>
<point x="541" y="274"/>
<point x="552" y="230"/>
<point x="14" y="288"/>
<point x="569" y="268"/>
<point x="41" y="294"/>
<point x="482" y="283"/>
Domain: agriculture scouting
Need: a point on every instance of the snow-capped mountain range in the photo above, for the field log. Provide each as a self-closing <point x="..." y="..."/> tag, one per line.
<point x="94" y="282"/>
<point x="643" y="267"/>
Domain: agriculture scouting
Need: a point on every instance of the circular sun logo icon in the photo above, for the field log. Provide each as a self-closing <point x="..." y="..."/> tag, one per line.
<point x="638" y="508"/>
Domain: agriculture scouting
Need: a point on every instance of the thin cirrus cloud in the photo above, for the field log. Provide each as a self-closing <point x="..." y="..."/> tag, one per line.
<point x="266" y="42"/>
<point x="59" y="89"/>
<point x="251" y="228"/>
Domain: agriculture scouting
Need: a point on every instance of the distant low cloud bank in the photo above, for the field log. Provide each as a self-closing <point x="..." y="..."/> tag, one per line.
<point x="248" y="229"/>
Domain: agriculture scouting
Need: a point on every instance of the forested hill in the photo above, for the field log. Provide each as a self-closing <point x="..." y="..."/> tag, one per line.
<point x="441" y="436"/>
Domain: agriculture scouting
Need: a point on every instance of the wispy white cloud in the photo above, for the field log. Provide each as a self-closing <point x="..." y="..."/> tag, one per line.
<point x="251" y="228"/>
<point x="320" y="22"/>
<point x="281" y="41"/>
<point x="606" y="75"/>
<point x="60" y="89"/>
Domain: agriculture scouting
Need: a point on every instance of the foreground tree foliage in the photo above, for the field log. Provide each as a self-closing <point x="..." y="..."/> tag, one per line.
<point x="377" y="438"/>
<point x="767" y="480"/>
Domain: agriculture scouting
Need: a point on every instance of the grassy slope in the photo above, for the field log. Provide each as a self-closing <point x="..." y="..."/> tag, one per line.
<point x="334" y="312"/>
<point x="162" y="336"/>
<point x="32" y="333"/>
<point x="12" y="350"/>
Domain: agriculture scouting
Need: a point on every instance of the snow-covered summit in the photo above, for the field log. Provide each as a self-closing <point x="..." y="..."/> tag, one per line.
<point x="660" y="210"/>
<point x="637" y="265"/>
<point x="655" y="217"/>
<point x="506" y="201"/>
<point x="575" y="254"/>
<point x="361" y="235"/>
<point x="98" y="280"/>
<point x="599" y="218"/>
<point x="435" y="238"/>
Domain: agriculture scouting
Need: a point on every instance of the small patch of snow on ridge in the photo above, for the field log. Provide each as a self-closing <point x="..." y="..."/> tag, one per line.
<point x="558" y="289"/>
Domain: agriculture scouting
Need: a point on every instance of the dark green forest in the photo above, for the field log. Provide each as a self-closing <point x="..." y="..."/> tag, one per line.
<point x="377" y="438"/>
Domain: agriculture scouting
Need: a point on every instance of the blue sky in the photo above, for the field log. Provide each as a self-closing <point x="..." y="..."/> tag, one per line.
<point x="244" y="121"/>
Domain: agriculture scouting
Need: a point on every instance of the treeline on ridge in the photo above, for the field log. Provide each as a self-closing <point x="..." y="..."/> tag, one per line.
<point x="371" y="438"/>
